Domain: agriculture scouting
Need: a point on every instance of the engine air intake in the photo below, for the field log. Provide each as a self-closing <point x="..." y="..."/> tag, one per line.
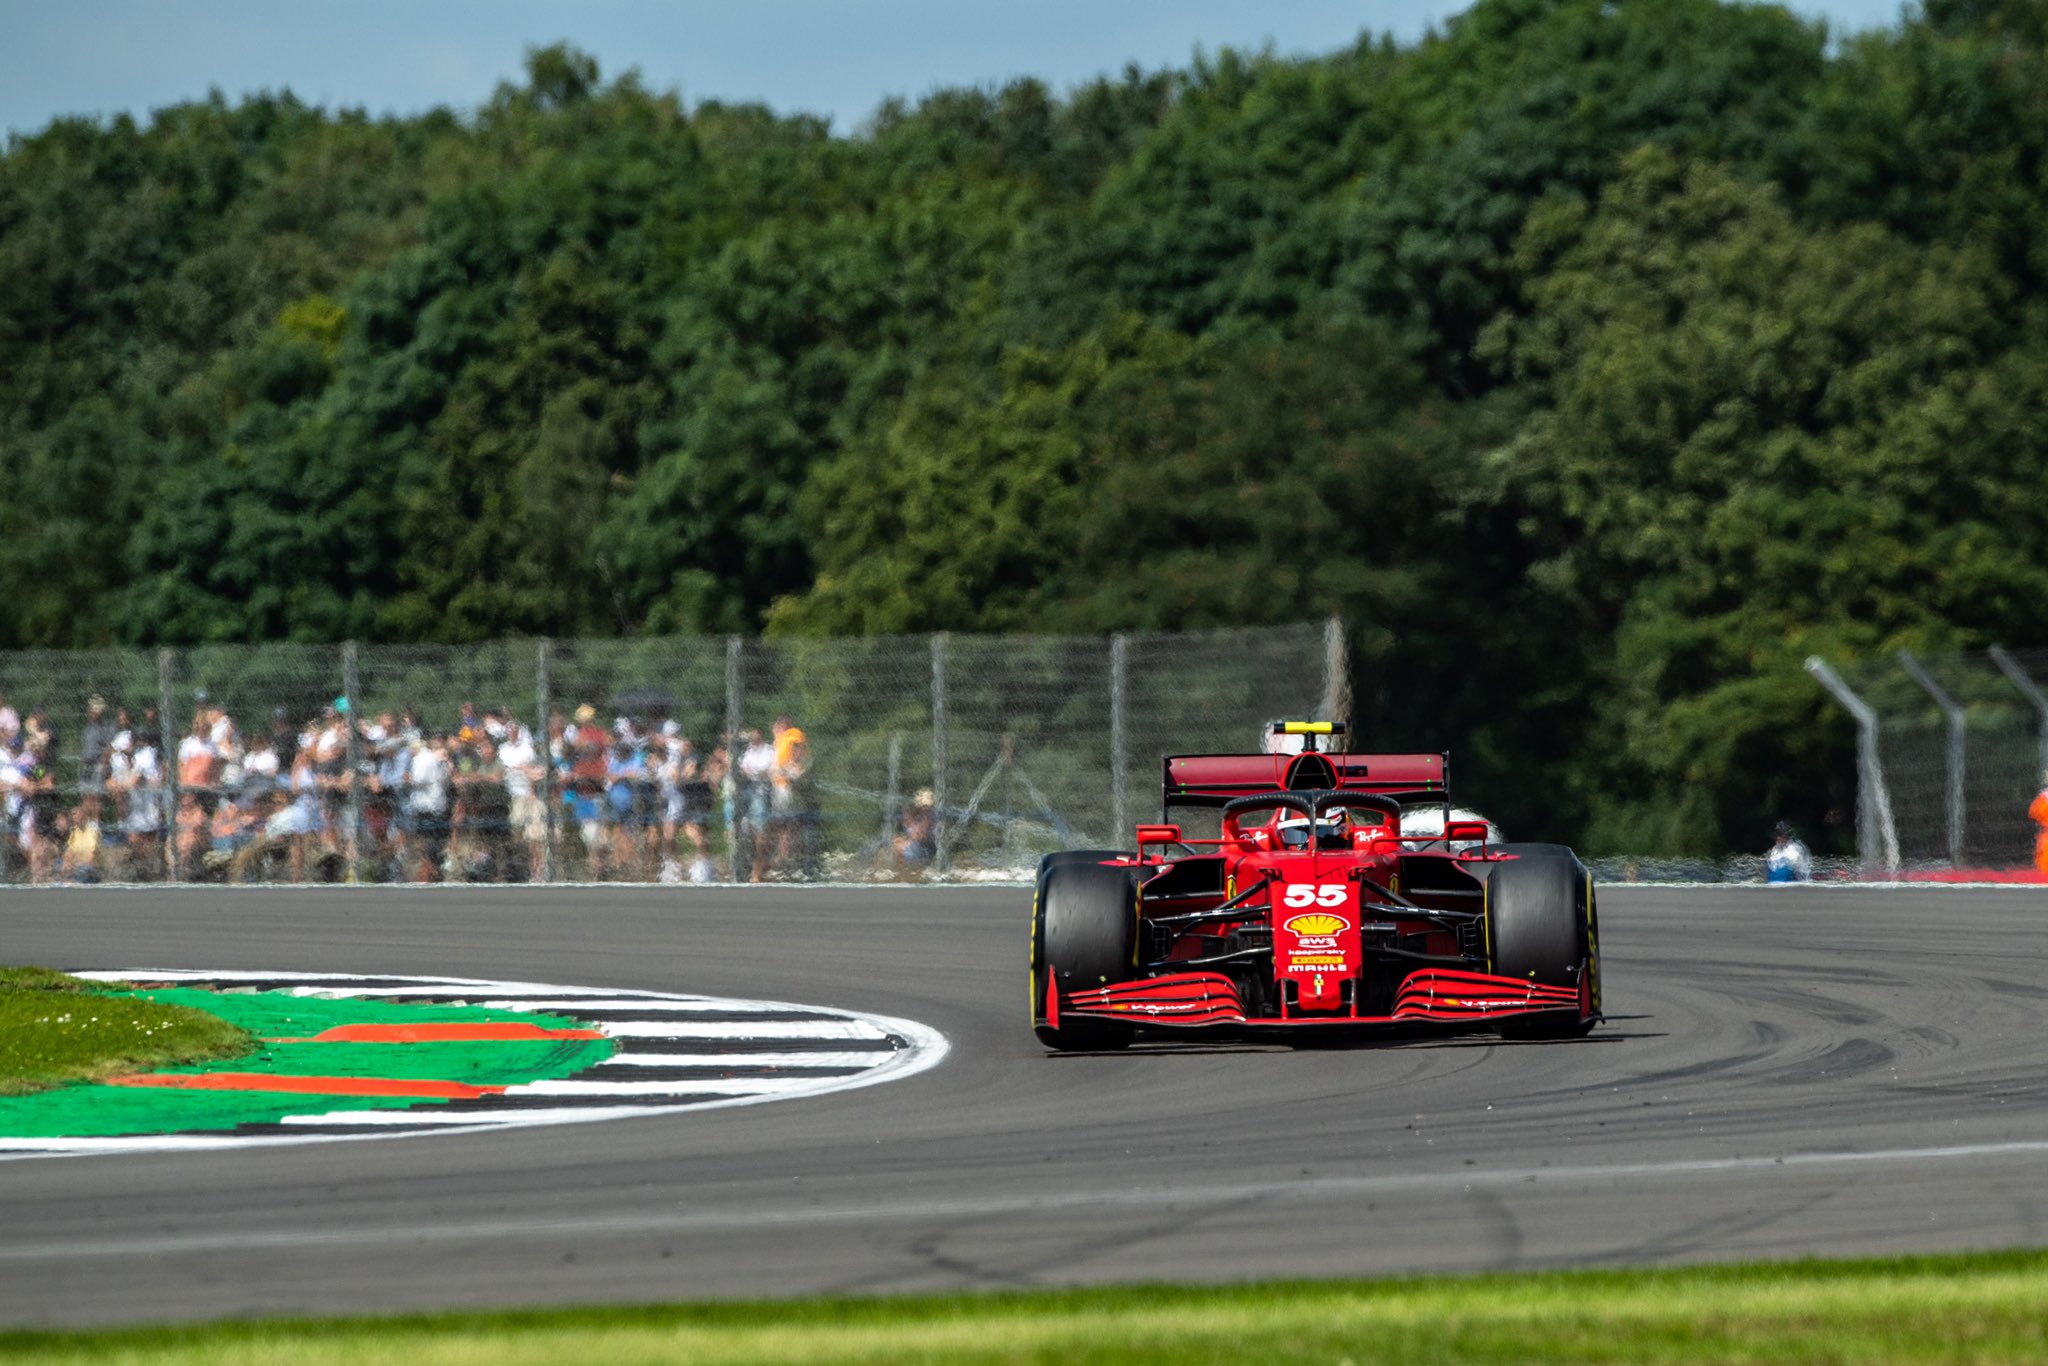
<point x="1310" y="772"/>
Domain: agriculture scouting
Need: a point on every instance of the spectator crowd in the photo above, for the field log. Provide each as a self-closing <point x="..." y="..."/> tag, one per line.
<point x="398" y="797"/>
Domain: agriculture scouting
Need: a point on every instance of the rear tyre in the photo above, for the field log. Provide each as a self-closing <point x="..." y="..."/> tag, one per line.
<point x="1084" y="934"/>
<point x="1539" y="924"/>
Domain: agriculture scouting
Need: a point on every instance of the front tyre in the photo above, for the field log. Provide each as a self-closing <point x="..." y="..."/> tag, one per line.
<point x="1540" y="928"/>
<point x="1084" y="934"/>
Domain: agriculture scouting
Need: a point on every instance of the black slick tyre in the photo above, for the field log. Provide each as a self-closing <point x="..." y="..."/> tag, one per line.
<point x="1084" y="934"/>
<point x="1539" y="928"/>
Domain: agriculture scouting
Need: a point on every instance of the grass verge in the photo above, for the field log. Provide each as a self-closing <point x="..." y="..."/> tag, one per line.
<point x="56" y="1029"/>
<point x="1986" y="1307"/>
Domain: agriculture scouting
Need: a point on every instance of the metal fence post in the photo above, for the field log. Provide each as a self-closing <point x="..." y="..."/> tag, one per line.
<point x="1876" y="834"/>
<point x="1957" y="757"/>
<point x="2031" y="691"/>
<point x="543" y="749"/>
<point x="892" y="796"/>
<point x="167" y="759"/>
<point x="939" y="842"/>
<point x="351" y="692"/>
<point x="1336" y="680"/>
<point x="1119" y="773"/>
<point x="734" y="699"/>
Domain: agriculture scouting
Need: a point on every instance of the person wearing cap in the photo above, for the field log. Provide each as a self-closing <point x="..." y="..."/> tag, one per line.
<point x="791" y="797"/>
<point x="1788" y="860"/>
<point x="482" y="832"/>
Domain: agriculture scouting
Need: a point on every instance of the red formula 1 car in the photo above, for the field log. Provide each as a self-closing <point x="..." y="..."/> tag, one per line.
<point x="1312" y="909"/>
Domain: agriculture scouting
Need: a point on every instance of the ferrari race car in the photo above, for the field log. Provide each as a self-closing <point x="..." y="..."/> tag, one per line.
<point x="1312" y="909"/>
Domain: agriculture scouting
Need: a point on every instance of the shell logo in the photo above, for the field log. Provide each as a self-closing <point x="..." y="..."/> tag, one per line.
<point x="1317" y="924"/>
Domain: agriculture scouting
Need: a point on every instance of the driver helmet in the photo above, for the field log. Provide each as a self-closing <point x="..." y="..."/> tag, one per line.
<point x="1331" y="828"/>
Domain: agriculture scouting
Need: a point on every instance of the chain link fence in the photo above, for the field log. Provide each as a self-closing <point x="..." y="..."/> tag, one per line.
<point x="684" y="759"/>
<point x="1951" y="750"/>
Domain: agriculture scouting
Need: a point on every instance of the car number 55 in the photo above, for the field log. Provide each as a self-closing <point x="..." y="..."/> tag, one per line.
<point x="1314" y="894"/>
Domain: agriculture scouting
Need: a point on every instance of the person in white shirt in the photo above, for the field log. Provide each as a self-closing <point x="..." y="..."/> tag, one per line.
<point x="140" y="773"/>
<point x="259" y="767"/>
<point x="197" y="759"/>
<point x="520" y="760"/>
<point x="427" y="801"/>
<point x="757" y="782"/>
<point x="227" y="750"/>
<point x="1788" y="860"/>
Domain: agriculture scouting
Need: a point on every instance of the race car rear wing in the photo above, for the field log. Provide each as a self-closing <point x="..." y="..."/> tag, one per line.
<point x="1213" y="779"/>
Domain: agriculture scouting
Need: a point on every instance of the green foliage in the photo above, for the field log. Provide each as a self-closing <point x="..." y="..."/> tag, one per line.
<point x="1596" y="361"/>
<point x="1748" y="457"/>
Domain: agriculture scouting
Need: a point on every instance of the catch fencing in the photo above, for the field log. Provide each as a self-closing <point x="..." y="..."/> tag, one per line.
<point x="929" y="757"/>
<point x="1950" y="750"/>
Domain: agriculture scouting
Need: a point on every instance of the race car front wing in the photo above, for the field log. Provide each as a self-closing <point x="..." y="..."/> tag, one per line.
<point x="1428" y="996"/>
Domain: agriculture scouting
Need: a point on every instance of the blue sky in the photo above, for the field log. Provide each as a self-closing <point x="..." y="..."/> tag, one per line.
<point x="834" y="57"/>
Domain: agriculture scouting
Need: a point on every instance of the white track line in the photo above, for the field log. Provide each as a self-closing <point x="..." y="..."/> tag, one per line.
<point x="471" y="995"/>
<point x="430" y="1119"/>
<point x="705" y="1086"/>
<point x="812" y="1060"/>
<point x="709" y="1004"/>
<point x="822" y="1028"/>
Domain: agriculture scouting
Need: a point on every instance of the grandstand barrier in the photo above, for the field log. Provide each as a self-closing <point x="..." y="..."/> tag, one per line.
<point x="941" y="757"/>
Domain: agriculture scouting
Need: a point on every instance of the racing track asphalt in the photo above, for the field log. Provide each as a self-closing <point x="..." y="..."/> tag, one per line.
<point x="1785" y="1072"/>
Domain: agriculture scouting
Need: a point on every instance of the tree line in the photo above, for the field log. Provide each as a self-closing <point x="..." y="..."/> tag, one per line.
<point x="1598" y="362"/>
